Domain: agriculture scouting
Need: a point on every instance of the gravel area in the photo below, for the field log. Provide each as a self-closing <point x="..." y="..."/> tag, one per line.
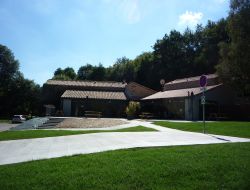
<point x="90" y="123"/>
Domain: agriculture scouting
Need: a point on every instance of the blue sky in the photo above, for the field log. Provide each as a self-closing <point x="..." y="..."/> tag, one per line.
<point x="47" y="34"/>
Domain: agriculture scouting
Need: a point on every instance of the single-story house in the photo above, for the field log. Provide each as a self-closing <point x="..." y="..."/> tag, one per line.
<point x="181" y="99"/>
<point x="108" y="97"/>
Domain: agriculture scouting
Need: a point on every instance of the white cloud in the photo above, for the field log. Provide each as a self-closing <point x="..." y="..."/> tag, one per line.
<point x="130" y="10"/>
<point x="190" y="18"/>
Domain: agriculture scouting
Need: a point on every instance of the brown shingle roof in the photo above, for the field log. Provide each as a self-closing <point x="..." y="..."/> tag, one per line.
<point x="109" y="84"/>
<point x="197" y="78"/>
<point x="94" y="95"/>
<point x="145" y="87"/>
<point x="178" y="93"/>
<point x="192" y="82"/>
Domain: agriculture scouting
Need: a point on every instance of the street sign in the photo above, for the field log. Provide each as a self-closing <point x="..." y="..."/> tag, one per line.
<point x="203" y="89"/>
<point x="203" y="100"/>
<point x="162" y="81"/>
<point x="203" y="81"/>
<point x="203" y="84"/>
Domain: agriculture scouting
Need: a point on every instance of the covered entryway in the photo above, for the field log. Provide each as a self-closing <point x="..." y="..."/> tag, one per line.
<point x="110" y="104"/>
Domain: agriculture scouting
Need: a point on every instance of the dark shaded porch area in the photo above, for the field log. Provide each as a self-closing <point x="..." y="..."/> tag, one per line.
<point x="108" y="108"/>
<point x="164" y="108"/>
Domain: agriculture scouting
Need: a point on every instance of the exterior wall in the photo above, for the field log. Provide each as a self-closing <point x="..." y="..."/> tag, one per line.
<point x="192" y="108"/>
<point x="175" y="108"/>
<point x="218" y="97"/>
<point x="189" y="108"/>
<point x="165" y="108"/>
<point x="49" y="111"/>
<point x="52" y="93"/>
<point x="222" y="94"/>
<point x="67" y="107"/>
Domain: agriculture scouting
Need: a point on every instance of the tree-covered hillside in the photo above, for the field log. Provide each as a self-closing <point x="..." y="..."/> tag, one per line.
<point x="221" y="47"/>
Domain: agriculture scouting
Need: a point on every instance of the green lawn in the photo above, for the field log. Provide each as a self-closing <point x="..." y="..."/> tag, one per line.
<point x="28" y="134"/>
<point x="237" y="129"/>
<point x="217" y="166"/>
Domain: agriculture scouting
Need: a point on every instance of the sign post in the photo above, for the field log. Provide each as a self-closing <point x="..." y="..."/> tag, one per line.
<point x="203" y="84"/>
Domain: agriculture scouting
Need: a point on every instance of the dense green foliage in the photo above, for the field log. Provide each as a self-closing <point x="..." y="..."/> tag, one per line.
<point x="17" y="94"/>
<point x="218" y="166"/>
<point x="89" y="72"/>
<point x="133" y="108"/>
<point x="237" y="129"/>
<point x="30" y="134"/>
<point x="234" y="66"/>
<point x="64" y="74"/>
<point x="176" y="55"/>
<point x="221" y="47"/>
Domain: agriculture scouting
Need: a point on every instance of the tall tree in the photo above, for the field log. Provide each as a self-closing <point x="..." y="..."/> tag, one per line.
<point x="234" y="66"/>
<point x="9" y="70"/>
<point x="58" y="71"/>
<point x="64" y="74"/>
<point x="169" y="56"/>
<point x="9" y="67"/>
<point x="213" y="34"/>
<point x="24" y="97"/>
<point x="98" y="73"/>
<point x="84" y="72"/>
<point x="70" y="73"/>
<point x="144" y="69"/>
<point x="123" y="69"/>
<point x="17" y="94"/>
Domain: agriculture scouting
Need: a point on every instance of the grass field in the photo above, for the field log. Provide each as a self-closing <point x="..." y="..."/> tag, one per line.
<point x="28" y="134"/>
<point x="217" y="166"/>
<point x="237" y="129"/>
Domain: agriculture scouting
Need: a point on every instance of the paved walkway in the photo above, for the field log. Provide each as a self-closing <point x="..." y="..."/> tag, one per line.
<point x="16" y="151"/>
<point x="6" y="126"/>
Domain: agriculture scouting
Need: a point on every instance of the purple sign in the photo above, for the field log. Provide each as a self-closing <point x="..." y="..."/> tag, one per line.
<point x="203" y="81"/>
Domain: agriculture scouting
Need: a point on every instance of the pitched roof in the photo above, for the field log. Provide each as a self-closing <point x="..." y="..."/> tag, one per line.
<point x="197" y="78"/>
<point x="110" y="84"/>
<point x="135" y="91"/>
<point x="146" y="88"/>
<point x="178" y="93"/>
<point x="192" y="82"/>
<point x="94" y="95"/>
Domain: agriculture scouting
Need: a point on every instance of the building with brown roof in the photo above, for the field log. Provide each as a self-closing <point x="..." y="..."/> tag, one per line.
<point x="181" y="99"/>
<point x="108" y="97"/>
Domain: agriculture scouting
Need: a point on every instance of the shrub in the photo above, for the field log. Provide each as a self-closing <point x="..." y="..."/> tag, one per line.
<point x="133" y="108"/>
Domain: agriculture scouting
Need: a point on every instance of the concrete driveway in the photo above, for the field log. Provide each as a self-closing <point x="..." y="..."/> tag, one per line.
<point x="15" y="151"/>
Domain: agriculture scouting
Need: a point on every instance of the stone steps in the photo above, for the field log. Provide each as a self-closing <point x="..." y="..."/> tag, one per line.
<point x="51" y="123"/>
